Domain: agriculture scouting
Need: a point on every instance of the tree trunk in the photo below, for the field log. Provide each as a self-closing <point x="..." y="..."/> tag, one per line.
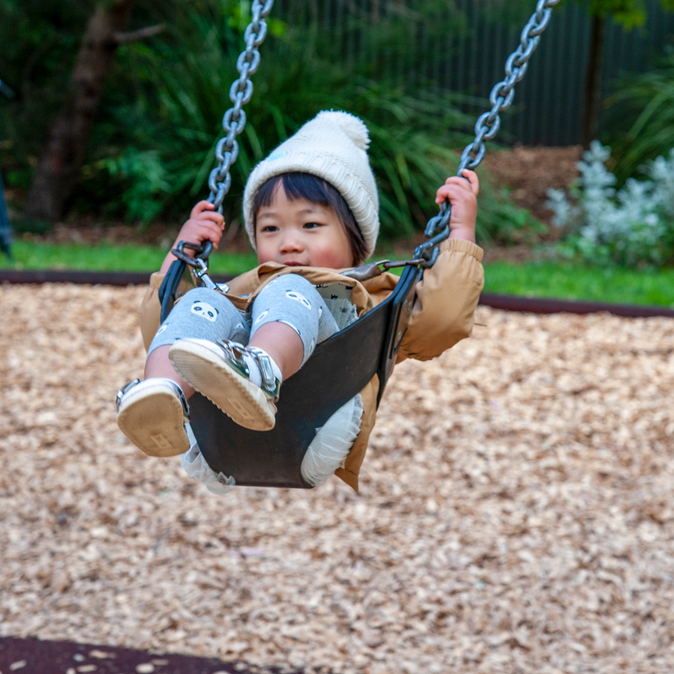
<point x="374" y="12"/>
<point x="592" y="96"/>
<point x="59" y="166"/>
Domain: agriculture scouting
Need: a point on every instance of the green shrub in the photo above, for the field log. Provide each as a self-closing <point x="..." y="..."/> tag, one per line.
<point x="640" y="118"/>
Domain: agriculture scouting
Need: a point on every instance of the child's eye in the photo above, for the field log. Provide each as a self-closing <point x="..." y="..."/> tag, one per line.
<point x="311" y="225"/>
<point x="269" y="229"/>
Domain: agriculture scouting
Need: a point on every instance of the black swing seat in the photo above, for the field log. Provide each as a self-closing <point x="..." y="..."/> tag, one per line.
<point x="339" y="368"/>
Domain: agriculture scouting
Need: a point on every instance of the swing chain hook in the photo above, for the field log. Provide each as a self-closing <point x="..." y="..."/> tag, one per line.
<point x="488" y="123"/>
<point x="240" y="93"/>
<point x="199" y="263"/>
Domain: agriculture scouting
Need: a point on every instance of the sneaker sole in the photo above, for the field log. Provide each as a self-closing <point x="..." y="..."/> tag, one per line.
<point x="153" y="420"/>
<point x="242" y="401"/>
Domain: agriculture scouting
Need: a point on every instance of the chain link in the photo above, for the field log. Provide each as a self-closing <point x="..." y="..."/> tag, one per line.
<point x="240" y="93"/>
<point x="488" y="124"/>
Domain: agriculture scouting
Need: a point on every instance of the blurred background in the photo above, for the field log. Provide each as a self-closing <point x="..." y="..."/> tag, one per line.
<point x="133" y="130"/>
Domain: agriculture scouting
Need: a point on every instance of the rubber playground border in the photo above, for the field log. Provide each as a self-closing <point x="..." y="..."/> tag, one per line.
<point x="33" y="656"/>
<point x="534" y="305"/>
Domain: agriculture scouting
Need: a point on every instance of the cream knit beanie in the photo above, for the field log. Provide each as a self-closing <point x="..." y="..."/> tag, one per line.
<point x="332" y="146"/>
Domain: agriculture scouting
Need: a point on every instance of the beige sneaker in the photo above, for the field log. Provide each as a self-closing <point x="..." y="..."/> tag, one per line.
<point x="152" y="414"/>
<point x="219" y="372"/>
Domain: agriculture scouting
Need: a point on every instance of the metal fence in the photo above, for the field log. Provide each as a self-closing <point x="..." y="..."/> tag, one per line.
<point x="462" y="45"/>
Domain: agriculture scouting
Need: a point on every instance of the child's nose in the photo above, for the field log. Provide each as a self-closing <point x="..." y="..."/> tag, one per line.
<point x="291" y="243"/>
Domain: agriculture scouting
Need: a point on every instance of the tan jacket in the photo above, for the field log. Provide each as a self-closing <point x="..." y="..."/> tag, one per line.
<point x="442" y="315"/>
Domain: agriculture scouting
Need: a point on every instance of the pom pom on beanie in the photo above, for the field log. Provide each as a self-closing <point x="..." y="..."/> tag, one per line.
<point x="351" y="125"/>
<point x="332" y="146"/>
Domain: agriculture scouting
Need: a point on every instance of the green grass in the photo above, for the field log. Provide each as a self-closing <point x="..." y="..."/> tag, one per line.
<point x="106" y="257"/>
<point x="532" y="279"/>
<point x="579" y="282"/>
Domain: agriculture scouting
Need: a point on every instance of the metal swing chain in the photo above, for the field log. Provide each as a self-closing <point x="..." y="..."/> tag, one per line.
<point x="240" y="93"/>
<point x="488" y="124"/>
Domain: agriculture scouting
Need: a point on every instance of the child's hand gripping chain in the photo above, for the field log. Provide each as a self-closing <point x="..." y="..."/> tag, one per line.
<point x="204" y="224"/>
<point x="462" y="194"/>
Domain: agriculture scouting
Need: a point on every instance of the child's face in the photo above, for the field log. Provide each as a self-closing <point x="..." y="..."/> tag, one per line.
<point x="301" y="233"/>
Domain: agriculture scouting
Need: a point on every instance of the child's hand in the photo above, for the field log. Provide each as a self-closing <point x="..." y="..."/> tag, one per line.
<point x="204" y="225"/>
<point x="461" y="194"/>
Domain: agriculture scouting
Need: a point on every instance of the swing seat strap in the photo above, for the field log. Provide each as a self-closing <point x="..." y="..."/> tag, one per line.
<point x="169" y="287"/>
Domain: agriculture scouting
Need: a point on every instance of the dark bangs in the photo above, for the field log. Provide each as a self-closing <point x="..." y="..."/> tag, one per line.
<point x="317" y="191"/>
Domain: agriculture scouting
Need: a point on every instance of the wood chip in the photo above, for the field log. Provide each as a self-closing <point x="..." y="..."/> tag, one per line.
<point x="516" y="511"/>
<point x="101" y="655"/>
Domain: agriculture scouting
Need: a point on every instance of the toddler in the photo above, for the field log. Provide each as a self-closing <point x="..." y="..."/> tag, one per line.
<point x="310" y="208"/>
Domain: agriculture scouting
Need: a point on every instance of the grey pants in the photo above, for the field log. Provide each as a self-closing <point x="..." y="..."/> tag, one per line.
<point x="289" y="299"/>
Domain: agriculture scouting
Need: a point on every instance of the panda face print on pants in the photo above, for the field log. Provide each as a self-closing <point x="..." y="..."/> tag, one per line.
<point x="205" y="310"/>
<point x="291" y="294"/>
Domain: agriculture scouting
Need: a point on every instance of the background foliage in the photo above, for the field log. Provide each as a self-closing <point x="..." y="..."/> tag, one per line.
<point x="641" y="117"/>
<point x="153" y="143"/>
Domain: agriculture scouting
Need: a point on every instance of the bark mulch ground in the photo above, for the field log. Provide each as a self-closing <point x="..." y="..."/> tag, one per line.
<point x="515" y="512"/>
<point x="530" y="171"/>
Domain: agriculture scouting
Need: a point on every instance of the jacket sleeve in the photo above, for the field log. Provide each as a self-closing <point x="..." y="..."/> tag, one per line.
<point x="150" y="307"/>
<point x="443" y="313"/>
